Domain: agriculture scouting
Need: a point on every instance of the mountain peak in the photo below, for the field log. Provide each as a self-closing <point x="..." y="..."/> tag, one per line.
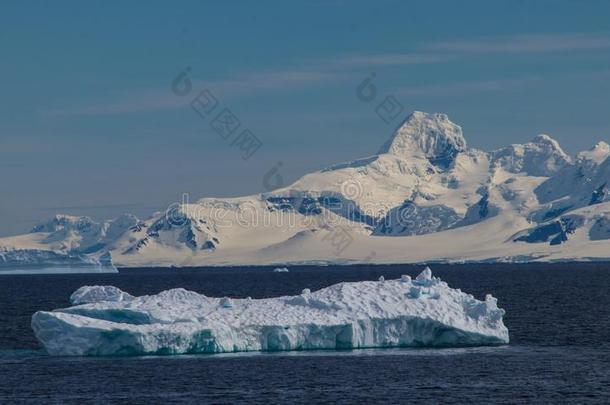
<point x="597" y="154"/>
<point x="550" y="145"/>
<point x="601" y="145"/>
<point x="60" y="221"/>
<point x="544" y="139"/>
<point x="542" y="156"/>
<point x="431" y="136"/>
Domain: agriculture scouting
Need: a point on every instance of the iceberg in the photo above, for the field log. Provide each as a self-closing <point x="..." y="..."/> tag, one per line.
<point x="281" y="270"/>
<point x="424" y="312"/>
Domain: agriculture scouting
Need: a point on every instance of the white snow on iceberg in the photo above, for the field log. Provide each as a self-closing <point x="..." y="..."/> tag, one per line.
<point x="97" y="293"/>
<point x="424" y="312"/>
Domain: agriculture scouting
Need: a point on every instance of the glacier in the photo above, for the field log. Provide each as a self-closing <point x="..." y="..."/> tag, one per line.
<point x="424" y="312"/>
<point x="34" y="261"/>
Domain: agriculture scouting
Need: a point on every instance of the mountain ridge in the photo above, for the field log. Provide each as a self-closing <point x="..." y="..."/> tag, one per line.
<point x="420" y="198"/>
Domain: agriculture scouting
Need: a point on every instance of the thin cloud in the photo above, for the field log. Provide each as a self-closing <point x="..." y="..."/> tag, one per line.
<point x="95" y="207"/>
<point x="525" y="43"/>
<point x="315" y="72"/>
<point x="164" y="99"/>
<point x="465" y="87"/>
<point x="332" y="70"/>
<point x="384" y="60"/>
<point x="279" y="80"/>
<point x="137" y="104"/>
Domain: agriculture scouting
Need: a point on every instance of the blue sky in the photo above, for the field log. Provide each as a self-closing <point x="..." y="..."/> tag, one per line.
<point x="89" y="124"/>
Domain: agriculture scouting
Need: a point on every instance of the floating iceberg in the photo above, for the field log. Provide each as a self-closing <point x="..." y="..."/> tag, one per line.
<point x="281" y="270"/>
<point x="424" y="312"/>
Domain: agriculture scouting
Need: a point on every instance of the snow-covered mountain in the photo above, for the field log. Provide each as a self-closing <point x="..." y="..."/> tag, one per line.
<point x="425" y="196"/>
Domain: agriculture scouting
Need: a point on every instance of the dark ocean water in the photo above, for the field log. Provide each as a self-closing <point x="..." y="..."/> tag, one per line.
<point x="558" y="317"/>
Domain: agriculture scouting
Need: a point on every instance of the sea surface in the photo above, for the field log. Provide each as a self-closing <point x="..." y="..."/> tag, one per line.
<point x="558" y="316"/>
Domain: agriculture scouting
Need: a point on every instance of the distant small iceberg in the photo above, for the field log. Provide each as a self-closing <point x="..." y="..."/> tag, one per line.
<point x="281" y="270"/>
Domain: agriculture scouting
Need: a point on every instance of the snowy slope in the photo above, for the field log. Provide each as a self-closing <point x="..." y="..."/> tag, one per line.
<point x="425" y="196"/>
